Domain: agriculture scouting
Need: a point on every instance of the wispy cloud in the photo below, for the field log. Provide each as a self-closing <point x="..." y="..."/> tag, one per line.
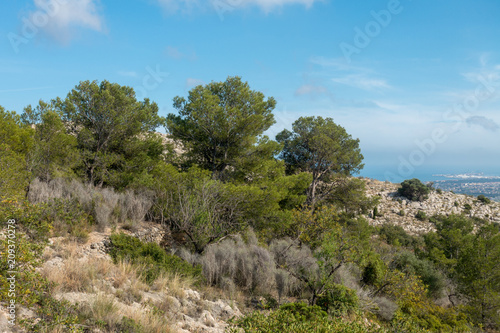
<point x="23" y="89"/>
<point x="310" y="89"/>
<point x="175" y="53"/>
<point x="63" y="17"/>
<point x="486" y="123"/>
<point x="127" y="73"/>
<point x="343" y="73"/>
<point x="187" y="6"/>
<point x="362" y="82"/>
<point x="191" y="82"/>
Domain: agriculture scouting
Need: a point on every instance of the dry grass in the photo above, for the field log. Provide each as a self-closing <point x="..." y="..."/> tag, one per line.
<point x="103" y="309"/>
<point x="150" y="322"/>
<point x="78" y="275"/>
<point x="173" y="284"/>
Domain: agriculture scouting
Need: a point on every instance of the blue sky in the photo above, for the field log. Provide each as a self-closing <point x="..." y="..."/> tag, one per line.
<point x="418" y="82"/>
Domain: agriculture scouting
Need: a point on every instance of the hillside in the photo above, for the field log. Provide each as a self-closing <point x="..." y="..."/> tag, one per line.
<point x="88" y="280"/>
<point x="397" y="210"/>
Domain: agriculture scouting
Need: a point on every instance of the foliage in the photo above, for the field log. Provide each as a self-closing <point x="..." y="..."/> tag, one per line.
<point x="478" y="275"/>
<point x="373" y="271"/>
<point x="114" y="131"/>
<point x="220" y="122"/>
<point x="319" y="146"/>
<point x="421" y="216"/>
<point x="334" y="244"/>
<point x="349" y="194"/>
<point x="298" y="318"/>
<point x="151" y="257"/>
<point x="15" y="142"/>
<point x="338" y="300"/>
<point x="483" y="199"/>
<point x="453" y="234"/>
<point x="54" y="151"/>
<point x="414" y="190"/>
<point x="397" y="236"/>
<point x="406" y="261"/>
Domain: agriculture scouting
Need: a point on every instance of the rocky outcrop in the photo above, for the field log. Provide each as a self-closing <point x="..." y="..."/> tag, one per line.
<point x="394" y="209"/>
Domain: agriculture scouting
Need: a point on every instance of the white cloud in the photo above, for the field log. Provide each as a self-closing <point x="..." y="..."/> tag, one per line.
<point x="172" y="6"/>
<point x="361" y="82"/>
<point x="59" y="18"/>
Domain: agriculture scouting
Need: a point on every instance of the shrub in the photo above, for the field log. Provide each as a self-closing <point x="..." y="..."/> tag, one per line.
<point x="297" y="318"/>
<point x="467" y="208"/>
<point x="396" y="235"/>
<point x="439" y="191"/>
<point x="247" y="265"/>
<point x="414" y="190"/>
<point x="483" y="199"/>
<point x="373" y="271"/>
<point x="407" y="262"/>
<point x="104" y="204"/>
<point x="421" y="216"/>
<point x="338" y="300"/>
<point x="151" y="257"/>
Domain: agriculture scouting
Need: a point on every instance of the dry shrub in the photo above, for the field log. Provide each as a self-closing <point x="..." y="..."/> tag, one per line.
<point x="249" y="266"/>
<point x="133" y="207"/>
<point x="385" y="308"/>
<point x="104" y="204"/>
<point x="297" y="259"/>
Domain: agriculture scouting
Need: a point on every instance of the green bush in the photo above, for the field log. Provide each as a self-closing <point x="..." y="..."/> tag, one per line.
<point x="483" y="199"/>
<point x="338" y="300"/>
<point x="297" y="318"/>
<point x="414" y="190"/>
<point x="407" y="262"/>
<point x="421" y="216"/>
<point x="396" y="235"/>
<point x="439" y="191"/>
<point x="151" y="256"/>
<point x="373" y="271"/>
<point x="467" y="208"/>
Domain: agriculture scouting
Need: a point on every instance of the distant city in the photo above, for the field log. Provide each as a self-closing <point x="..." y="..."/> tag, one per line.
<point x="471" y="184"/>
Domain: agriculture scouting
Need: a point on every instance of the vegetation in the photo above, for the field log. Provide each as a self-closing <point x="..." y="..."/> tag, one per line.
<point x="414" y="190"/>
<point x="281" y="220"/>
<point x="483" y="199"/>
<point x="319" y="146"/>
<point x="151" y="257"/>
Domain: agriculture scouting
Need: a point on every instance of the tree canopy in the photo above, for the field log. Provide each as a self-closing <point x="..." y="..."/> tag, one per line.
<point x="220" y="122"/>
<point x="321" y="147"/>
<point x="112" y="128"/>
